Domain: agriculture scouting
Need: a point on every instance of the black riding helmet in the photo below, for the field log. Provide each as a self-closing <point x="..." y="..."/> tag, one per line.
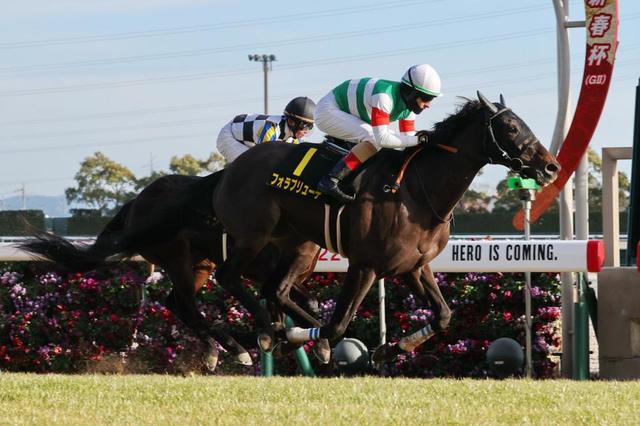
<point x="300" y="111"/>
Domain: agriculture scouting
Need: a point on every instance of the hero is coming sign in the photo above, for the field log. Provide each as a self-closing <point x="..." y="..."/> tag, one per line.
<point x="602" y="39"/>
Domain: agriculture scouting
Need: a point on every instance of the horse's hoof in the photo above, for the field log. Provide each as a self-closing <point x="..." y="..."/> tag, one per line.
<point x="265" y="342"/>
<point x="385" y="353"/>
<point x="277" y="326"/>
<point x="322" y="351"/>
<point x="243" y="358"/>
<point x="282" y="349"/>
<point x="211" y="360"/>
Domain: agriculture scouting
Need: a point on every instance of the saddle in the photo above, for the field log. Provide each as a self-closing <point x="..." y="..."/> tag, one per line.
<point x="307" y="163"/>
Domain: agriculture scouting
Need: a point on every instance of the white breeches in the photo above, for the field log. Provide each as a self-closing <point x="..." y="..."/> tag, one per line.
<point x="335" y="122"/>
<point x="228" y="146"/>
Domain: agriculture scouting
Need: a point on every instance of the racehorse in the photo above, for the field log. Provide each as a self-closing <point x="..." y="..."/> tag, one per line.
<point x="384" y="233"/>
<point x="171" y="224"/>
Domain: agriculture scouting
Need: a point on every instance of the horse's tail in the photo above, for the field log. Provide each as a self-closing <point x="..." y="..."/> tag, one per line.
<point x="116" y="242"/>
<point x="80" y="257"/>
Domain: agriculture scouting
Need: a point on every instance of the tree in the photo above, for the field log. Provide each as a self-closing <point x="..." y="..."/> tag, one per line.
<point x="473" y="202"/>
<point x="189" y="165"/>
<point x="102" y="184"/>
<point x="595" y="184"/>
<point x="507" y="200"/>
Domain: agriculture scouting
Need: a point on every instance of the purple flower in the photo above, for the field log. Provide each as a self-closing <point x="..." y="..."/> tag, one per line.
<point x="460" y="347"/>
<point x="17" y="290"/>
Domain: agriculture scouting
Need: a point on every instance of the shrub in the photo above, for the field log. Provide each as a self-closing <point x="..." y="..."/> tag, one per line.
<point x="51" y="322"/>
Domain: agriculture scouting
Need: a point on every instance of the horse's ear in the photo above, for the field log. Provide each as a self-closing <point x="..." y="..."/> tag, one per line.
<point x="484" y="101"/>
<point x="502" y="100"/>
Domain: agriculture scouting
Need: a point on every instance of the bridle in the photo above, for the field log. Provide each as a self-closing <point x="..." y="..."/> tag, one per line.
<point x="514" y="163"/>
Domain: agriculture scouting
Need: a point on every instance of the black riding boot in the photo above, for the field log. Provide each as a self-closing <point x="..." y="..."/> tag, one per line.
<point x="329" y="185"/>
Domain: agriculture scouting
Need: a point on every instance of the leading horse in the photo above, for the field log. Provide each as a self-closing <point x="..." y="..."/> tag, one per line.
<point x="385" y="233"/>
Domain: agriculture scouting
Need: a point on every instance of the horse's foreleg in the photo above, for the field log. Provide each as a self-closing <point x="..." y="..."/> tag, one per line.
<point x="356" y="286"/>
<point x="228" y="275"/>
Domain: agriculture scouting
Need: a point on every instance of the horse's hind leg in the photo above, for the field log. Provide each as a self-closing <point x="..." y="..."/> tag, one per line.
<point x="423" y="285"/>
<point x="201" y="274"/>
<point x="427" y="290"/>
<point x="229" y="276"/>
<point x="182" y="302"/>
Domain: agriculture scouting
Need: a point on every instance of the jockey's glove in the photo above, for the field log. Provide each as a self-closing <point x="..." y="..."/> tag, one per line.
<point x="423" y="136"/>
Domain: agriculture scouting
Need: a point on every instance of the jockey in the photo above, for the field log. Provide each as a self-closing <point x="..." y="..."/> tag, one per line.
<point x="248" y="130"/>
<point x="360" y="111"/>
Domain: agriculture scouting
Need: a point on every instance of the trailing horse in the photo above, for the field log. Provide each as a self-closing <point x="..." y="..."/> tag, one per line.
<point x="384" y="233"/>
<point x="171" y="224"/>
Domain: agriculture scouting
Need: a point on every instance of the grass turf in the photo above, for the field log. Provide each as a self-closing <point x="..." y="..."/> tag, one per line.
<point x="153" y="399"/>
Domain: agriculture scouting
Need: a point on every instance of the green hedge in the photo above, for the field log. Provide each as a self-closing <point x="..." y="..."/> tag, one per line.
<point x="500" y="223"/>
<point x="20" y="222"/>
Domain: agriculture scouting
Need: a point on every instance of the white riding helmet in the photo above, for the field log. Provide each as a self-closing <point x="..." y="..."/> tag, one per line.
<point x="423" y="78"/>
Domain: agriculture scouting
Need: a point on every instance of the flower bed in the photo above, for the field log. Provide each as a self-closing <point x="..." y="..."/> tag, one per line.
<point x="51" y="322"/>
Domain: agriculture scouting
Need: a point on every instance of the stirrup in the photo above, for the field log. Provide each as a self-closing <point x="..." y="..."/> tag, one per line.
<point x="332" y="190"/>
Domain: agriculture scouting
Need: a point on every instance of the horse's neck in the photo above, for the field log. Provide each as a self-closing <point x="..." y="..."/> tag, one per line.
<point x="445" y="176"/>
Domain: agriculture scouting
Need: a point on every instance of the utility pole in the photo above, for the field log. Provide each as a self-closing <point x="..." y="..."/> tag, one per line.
<point x="23" y="193"/>
<point x="266" y="66"/>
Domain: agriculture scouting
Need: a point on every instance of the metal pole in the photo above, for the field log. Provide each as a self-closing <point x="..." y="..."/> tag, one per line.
<point x="266" y="65"/>
<point x="381" y="309"/>
<point x="581" y="331"/>
<point x="566" y="198"/>
<point x="265" y="69"/>
<point x="526" y="204"/>
<point x="633" y="222"/>
<point x="580" y="342"/>
<point x="582" y="199"/>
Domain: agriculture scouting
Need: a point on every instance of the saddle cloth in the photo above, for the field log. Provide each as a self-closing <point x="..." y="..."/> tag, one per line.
<point x="303" y="168"/>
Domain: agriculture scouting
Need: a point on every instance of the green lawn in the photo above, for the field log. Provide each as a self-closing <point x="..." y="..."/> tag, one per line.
<point x="89" y="399"/>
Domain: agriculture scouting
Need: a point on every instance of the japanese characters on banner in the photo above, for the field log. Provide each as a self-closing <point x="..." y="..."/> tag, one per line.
<point x="602" y="38"/>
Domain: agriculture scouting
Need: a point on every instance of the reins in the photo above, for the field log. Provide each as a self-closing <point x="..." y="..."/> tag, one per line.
<point x="512" y="162"/>
<point x="396" y="184"/>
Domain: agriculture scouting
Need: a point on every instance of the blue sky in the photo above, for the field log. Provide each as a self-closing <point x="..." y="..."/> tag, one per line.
<point x="144" y="80"/>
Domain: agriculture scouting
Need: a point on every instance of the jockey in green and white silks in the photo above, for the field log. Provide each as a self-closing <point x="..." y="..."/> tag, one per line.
<point x="361" y="111"/>
<point x="248" y="130"/>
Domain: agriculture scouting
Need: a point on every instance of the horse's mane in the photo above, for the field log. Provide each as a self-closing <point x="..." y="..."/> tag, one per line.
<point x="447" y="128"/>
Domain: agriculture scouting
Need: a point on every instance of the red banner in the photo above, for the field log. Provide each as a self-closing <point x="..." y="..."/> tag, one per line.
<point x="602" y="40"/>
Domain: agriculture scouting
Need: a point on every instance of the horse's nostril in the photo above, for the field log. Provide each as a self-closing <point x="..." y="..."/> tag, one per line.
<point x="552" y="168"/>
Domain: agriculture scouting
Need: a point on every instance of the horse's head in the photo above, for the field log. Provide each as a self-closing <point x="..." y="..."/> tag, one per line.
<point x="509" y="141"/>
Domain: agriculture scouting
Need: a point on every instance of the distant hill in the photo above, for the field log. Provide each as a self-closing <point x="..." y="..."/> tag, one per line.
<point x="52" y="206"/>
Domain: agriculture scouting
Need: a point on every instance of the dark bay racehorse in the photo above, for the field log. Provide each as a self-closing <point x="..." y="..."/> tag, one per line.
<point x="171" y="224"/>
<point x="385" y="234"/>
